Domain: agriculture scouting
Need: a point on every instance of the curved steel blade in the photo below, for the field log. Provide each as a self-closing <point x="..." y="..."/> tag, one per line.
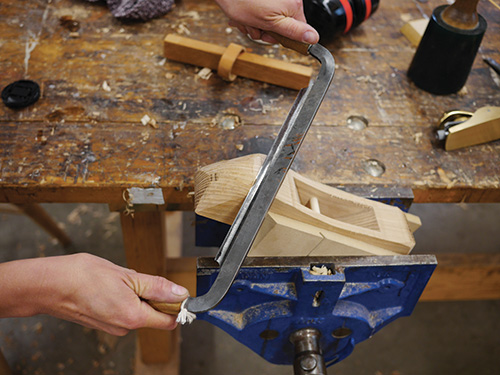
<point x="242" y="233"/>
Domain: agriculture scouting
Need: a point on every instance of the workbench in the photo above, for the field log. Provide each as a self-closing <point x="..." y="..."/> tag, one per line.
<point x="83" y="141"/>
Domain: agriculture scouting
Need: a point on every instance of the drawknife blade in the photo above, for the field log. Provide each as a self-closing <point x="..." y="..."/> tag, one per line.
<point x="241" y="235"/>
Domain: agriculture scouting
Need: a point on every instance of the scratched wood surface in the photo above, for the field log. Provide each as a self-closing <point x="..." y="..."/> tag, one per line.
<point x="83" y="141"/>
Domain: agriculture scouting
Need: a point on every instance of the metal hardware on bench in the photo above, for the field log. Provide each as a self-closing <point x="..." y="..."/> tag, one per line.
<point x="272" y="298"/>
<point x="242" y="233"/>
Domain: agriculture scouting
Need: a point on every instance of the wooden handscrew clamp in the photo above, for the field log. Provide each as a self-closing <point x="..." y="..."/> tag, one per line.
<point x="234" y="61"/>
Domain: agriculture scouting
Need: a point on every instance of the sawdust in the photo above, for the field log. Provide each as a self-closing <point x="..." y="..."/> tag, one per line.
<point x="444" y="177"/>
<point x="74" y="217"/>
<point x="417" y="137"/>
<point x="379" y="88"/>
<point x="144" y="136"/>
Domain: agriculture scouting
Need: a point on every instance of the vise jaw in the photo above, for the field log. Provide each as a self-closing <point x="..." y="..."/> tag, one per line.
<point x="274" y="298"/>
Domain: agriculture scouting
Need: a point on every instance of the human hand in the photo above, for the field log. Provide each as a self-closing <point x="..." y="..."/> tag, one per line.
<point x="284" y="17"/>
<point x="90" y="291"/>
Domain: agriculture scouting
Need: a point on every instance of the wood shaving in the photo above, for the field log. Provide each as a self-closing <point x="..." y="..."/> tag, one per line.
<point x="418" y="137"/>
<point x="193" y="14"/>
<point x="169" y="76"/>
<point x="106" y="87"/>
<point x="129" y="208"/>
<point x="323" y="270"/>
<point x="205" y="73"/>
<point x="463" y="91"/>
<point x="444" y="177"/>
<point x="147" y="120"/>
<point x="182" y="29"/>
<point x="145" y="135"/>
<point x="405" y="17"/>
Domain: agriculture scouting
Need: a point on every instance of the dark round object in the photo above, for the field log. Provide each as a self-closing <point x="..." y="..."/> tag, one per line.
<point x="21" y="94"/>
<point x="333" y="17"/>
<point x="444" y="57"/>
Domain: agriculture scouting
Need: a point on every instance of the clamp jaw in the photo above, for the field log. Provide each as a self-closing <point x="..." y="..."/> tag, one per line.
<point x="278" y="306"/>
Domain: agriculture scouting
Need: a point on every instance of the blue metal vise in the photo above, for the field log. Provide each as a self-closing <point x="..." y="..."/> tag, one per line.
<point x="272" y="298"/>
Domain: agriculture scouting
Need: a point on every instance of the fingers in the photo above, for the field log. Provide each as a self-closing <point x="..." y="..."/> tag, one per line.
<point x="289" y="27"/>
<point x="284" y="17"/>
<point x="157" y="319"/>
<point x="157" y="288"/>
<point x="297" y="30"/>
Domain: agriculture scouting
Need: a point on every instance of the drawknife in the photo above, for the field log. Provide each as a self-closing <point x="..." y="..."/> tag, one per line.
<point x="243" y="231"/>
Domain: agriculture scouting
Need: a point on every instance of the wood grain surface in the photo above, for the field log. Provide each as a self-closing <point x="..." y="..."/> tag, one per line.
<point x="83" y="141"/>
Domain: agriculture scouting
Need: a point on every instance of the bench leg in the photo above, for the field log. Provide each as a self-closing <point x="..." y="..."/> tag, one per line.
<point x="42" y="218"/>
<point x="4" y="366"/>
<point x="145" y="253"/>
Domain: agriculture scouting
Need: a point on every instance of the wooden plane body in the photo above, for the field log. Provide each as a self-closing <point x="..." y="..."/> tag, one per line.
<point x="307" y="218"/>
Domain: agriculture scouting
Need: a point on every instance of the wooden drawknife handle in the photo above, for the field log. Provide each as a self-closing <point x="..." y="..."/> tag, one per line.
<point x="300" y="47"/>
<point x="166" y="307"/>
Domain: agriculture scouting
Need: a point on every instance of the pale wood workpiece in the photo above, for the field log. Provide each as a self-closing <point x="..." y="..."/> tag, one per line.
<point x="249" y="65"/>
<point x="306" y="218"/>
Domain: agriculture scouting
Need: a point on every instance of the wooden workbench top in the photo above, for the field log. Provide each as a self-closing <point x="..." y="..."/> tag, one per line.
<point x="83" y="141"/>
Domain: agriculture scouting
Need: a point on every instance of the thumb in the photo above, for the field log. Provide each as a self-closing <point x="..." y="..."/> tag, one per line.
<point x="296" y="30"/>
<point x="158" y="288"/>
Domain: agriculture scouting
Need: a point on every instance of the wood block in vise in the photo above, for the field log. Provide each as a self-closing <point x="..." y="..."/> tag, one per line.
<point x="306" y="218"/>
<point x="234" y="61"/>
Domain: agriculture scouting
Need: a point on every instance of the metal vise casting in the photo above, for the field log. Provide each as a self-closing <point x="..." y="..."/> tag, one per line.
<point x="275" y="301"/>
